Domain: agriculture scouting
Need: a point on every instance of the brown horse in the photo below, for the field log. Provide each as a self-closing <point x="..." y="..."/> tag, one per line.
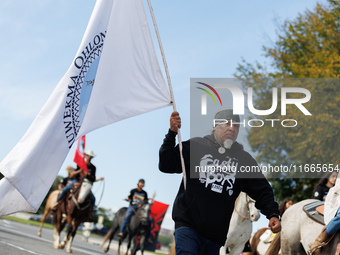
<point x="51" y="200"/>
<point x="76" y="214"/>
<point x="254" y="242"/>
<point x="172" y="250"/>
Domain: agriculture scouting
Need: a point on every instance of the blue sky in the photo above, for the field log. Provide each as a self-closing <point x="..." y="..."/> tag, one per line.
<point x="201" y="39"/>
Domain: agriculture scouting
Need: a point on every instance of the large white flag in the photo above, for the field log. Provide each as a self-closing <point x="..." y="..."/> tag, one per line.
<point x="115" y="75"/>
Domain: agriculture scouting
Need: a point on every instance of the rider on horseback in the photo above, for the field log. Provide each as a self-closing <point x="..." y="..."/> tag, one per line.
<point x="137" y="197"/>
<point x="333" y="225"/>
<point x="91" y="177"/>
<point x="75" y="175"/>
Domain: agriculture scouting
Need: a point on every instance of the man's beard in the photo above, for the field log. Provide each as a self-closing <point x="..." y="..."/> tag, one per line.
<point x="228" y="143"/>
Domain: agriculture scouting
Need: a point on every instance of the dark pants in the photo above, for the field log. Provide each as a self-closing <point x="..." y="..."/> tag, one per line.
<point x="66" y="190"/>
<point x="188" y="241"/>
<point x="93" y="199"/>
<point x="128" y="216"/>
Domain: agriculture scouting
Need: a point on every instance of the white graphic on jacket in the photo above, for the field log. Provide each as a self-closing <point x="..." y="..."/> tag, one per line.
<point x="216" y="173"/>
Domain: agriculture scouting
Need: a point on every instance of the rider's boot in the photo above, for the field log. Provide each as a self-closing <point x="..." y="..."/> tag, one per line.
<point x="321" y="241"/>
<point x="57" y="204"/>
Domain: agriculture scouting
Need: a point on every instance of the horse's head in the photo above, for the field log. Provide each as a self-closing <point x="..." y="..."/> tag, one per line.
<point x="253" y="211"/>
<point x="143" y="213"/>
<point x="245" y="207"/>
<point x="84" y="191"/>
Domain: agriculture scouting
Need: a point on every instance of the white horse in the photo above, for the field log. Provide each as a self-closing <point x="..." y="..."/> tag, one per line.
<point x="299" y="230"/>
<point x="240" y="227"/>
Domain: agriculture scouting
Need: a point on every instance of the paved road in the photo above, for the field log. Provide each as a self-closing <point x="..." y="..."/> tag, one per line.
<point x="21" y="239"/>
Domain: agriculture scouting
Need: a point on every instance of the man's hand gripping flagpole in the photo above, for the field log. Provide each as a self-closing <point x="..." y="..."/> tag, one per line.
<point x="170" y="89"/>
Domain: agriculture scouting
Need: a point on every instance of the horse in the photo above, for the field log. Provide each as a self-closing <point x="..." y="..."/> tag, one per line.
<point x="77" y="208"/>
<point x="298" y="231"/>
<point x="51" y="200"/>
<point x="172" y="250"/>
<point x="256" y="241"/>
<point x="240" y="227"/>
<point x="138" y="226"/>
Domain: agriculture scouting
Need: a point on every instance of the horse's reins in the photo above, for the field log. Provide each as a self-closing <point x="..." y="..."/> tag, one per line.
<point x="77" y="204"/>
<point x="75" y="200"/>
<point x="136" y="213"/>
<point x="244" y="217"/>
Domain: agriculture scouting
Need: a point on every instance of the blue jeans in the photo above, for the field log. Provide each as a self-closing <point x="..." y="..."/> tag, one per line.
<point x="66" y="190"/>
<point x="188" y="241"/>
<point x="334" y="225"/>
<point x="128" y="216"/>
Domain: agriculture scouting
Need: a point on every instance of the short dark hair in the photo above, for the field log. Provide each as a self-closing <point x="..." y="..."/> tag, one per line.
<point x="141" y="180"/>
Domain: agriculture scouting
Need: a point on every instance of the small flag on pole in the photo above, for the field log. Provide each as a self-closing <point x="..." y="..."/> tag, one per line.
<point x="114" y="75"/>
<point x="79" y="155"/>
<point x="157" y="215"/>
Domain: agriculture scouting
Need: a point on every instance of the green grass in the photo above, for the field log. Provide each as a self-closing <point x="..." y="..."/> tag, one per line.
<point x="37" y="223"/>
<point x="30" y="222"/>
<point x="157" y="253"/>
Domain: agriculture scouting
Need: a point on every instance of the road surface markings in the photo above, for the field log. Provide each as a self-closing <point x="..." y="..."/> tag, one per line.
<point x="20" y="248"/>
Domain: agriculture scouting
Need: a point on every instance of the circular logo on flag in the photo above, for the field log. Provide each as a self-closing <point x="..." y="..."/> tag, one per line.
<point x="80" y="89"/>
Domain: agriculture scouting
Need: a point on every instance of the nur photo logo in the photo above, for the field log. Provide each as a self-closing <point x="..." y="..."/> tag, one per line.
<point x="204" y="97"/>
<point x="294" y="96"/>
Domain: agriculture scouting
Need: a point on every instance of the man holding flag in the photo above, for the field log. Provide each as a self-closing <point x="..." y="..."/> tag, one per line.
<point x="202" y="211"/>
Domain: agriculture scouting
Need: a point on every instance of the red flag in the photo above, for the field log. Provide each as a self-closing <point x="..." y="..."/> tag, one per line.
<point x="79" y="156"/>
<point x="157" y="214"/>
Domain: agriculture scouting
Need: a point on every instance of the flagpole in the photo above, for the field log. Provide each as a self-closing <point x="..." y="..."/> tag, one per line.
<point x="170" y="89"/>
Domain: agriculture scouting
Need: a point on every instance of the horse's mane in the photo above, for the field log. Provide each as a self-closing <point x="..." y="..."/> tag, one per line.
<point x="275" y="245"/>
<point x="236" y="200"/>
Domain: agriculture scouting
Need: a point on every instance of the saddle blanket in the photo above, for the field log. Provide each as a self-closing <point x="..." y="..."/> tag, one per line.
<point x="313" y="211"/>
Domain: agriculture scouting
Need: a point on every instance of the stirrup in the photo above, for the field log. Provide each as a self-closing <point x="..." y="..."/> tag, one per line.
<point x="312" y="249"/>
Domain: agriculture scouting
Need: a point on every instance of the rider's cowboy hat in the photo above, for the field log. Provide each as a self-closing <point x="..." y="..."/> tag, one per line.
<point x="70" y="169"/>
<point x="90" y="153"/>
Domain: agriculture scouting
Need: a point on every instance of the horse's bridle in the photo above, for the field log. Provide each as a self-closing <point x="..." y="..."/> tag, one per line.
<point x="75" y="200"/>
<point x="141" y="219"/>
<point x="242" y="216"/>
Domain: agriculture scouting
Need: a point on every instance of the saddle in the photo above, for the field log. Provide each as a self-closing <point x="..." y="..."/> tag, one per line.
<point x="315" y="211"/>
<point x="267" y="236"/>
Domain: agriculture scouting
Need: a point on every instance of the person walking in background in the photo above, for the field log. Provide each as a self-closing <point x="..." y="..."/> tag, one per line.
<point x="326" y="182"/>
<point x="285" y="204"/>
